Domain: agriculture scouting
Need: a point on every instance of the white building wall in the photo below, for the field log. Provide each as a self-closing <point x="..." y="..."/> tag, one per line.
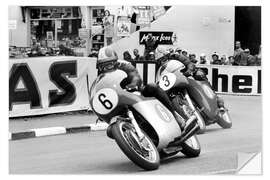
<point x="200" y="29"/>
<point x="19" y="36"/>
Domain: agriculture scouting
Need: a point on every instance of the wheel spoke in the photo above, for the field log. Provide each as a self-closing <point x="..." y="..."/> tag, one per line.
<point x="144" y="148"/>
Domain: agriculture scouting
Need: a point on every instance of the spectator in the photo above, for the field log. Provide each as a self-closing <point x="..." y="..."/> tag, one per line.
<point x="150" y="46"/>
<point x="65" y="50"/>
<point x="137" y="56"/>
<point x="171" y="51"/>
<point x="238" y="54"/>
<point x="151" y="56"/>
<point x="93" y="53"/>
<point x="230" y="60"/>
<point x="251" y="60"/>
<point x="258" y="57"/>
<point x="202" y="59"/>
<point x="127" y="56"/>
<point x="223" y="60"/>
<point x="184" y="53"/>
<point x="215" y="59"/>
<point x="192" y="58"/>
<point x="178" y="50"/>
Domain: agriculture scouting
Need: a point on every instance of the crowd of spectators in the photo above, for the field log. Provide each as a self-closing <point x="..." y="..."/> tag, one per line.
<point x="239" y="58"/>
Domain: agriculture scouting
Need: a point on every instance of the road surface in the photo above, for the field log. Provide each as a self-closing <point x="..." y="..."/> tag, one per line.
<point x="94" y="153"/>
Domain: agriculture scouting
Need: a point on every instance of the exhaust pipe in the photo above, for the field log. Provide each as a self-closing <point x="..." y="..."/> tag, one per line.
<point x="185" y="136"/>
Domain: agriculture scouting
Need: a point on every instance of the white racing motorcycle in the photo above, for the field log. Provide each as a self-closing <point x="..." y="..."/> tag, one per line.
<point x="144" y="129"/>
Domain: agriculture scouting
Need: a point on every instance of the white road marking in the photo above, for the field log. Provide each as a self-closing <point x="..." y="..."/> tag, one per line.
<point x="49" y="131"/>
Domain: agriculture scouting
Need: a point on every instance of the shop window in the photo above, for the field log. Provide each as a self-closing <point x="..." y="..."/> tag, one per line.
<point x="55" y="23"/>
<point x="35" y="14"/>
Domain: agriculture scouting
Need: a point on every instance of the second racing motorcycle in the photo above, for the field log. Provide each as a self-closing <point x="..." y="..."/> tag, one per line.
<point x="144" y="129"/>
<point x="192" y="97"/>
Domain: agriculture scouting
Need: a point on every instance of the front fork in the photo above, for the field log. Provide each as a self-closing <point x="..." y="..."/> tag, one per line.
<point x="135" y="124"/>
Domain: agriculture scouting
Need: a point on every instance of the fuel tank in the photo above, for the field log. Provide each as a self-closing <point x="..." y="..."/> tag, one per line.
<point x="161" y="119"/>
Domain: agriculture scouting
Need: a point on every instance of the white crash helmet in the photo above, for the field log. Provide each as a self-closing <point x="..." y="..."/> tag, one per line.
<point x="106" y="57"/>
<point x="174" y="65"/>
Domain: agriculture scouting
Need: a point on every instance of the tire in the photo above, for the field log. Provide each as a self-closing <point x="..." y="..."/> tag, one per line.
<point x="189" y="150"/>
<point x="225" y="120"/>
<point x="180" y="110"/>
<point x="201" y="123"/>
<point x="125" y="145"/>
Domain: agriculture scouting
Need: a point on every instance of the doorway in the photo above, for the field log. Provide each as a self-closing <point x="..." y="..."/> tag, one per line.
<point x="248" y="27"/>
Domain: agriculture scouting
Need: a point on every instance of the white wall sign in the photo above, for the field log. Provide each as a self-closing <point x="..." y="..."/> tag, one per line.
<point x="12" y="24"/>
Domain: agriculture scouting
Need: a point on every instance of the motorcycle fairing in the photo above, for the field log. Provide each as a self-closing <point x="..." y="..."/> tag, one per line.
<point x="161" y="119"/>
<point x="204" y="96"/>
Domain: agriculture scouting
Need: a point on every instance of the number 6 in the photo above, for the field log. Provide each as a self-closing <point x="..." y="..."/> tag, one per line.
<point x="105" y="102"/>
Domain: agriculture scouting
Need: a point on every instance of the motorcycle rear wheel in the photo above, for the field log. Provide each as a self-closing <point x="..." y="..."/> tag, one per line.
<point x="146" y="158"/>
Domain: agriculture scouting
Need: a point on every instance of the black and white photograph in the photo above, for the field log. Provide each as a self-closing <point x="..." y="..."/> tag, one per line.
<point x="137" y="89"/>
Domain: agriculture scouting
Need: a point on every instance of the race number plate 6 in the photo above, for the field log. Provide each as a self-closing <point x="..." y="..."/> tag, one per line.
<point x="105" y="100"/>
<point x="167" y="81"/>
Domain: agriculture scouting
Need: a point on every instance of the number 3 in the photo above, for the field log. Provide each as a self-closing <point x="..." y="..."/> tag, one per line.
<point x="166" y="79"/>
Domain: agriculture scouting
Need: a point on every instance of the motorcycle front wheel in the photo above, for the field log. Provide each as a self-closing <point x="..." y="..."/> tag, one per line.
<point x="143" y="153"/>
<point x="191" y="147"/>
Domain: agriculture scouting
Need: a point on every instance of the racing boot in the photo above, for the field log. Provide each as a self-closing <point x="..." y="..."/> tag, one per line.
<point x="220" y="102"/>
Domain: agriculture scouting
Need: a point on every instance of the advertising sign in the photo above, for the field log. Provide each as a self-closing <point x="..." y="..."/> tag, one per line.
<point x="144" y="15"/>
<point x="49" y="35"/>
<point x="158" y="11"/>
<point x="162" y="37"/>
<point x="123" y="26"/>
<point x="84" y="33"/>
<point x="46" y="85"/>
<point x="12" y="24"/>
<point x="242" y="80"/>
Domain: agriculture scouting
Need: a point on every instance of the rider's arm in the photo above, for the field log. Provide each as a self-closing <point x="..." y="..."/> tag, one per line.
<point x="133" y="78"/>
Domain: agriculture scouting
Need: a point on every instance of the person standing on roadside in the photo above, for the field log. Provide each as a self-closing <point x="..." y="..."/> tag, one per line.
<point x="137" y="56"/>
<point x="238" y="54"/>
<point x="150" y="46"/>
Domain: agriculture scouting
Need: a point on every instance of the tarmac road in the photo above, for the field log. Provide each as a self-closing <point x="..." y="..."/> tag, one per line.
<point x="94" y="153"/>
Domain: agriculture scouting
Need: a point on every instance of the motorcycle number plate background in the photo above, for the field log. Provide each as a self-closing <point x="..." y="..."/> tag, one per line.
<point x="167" y="81"/>
<point x="105" y="100"/>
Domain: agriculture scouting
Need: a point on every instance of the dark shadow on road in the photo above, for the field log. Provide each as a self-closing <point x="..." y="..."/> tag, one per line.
<point x="212" y="130"/>
<point x="123" y="167"/>
<point x="173" y="159"/>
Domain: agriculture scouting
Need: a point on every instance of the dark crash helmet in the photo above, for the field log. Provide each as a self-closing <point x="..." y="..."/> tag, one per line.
<point x="107" y="59"/>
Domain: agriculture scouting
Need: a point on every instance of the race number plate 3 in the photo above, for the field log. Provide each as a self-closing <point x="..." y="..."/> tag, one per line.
<point x="105" y="100"/>
<point x="167" y="81"/>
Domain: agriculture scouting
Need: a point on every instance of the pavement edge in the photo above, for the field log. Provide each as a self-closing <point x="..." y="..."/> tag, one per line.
<point x="40" y="132"/>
